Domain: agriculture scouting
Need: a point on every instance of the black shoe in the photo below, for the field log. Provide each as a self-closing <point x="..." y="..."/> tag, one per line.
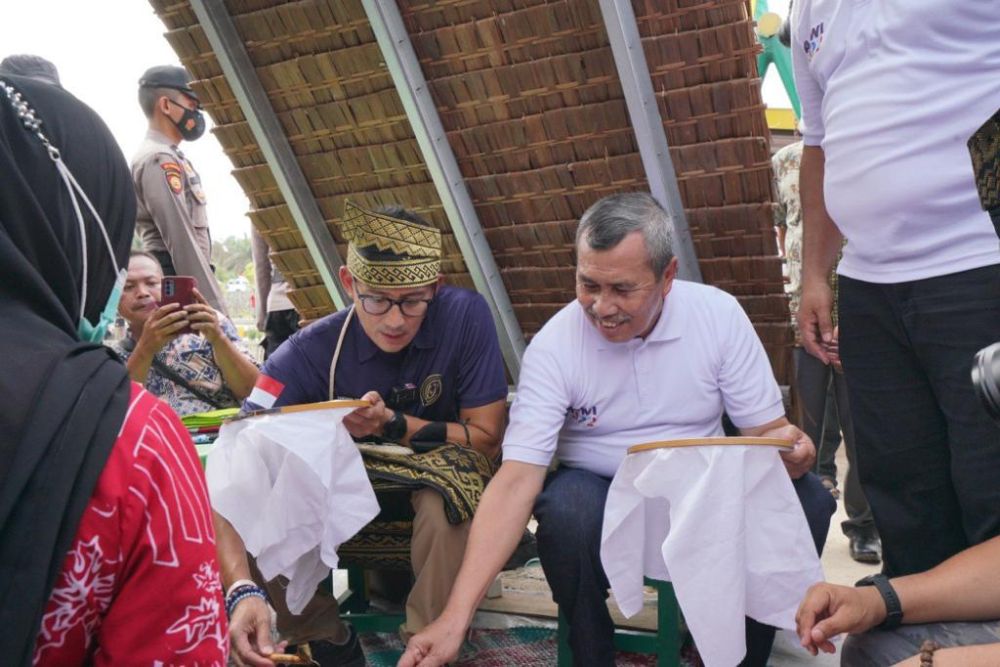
<point x="348" y="654"/>
<point x="866" y="549"/>
<point x="526" y="549"/>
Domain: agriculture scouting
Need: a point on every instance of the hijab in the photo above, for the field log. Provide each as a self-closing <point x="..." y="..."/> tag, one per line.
<point x="62" y="401"/>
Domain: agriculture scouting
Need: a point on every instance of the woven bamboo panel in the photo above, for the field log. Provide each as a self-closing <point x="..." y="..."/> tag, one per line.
<point x="529" y="96"/>
<point x="326" y="80"/>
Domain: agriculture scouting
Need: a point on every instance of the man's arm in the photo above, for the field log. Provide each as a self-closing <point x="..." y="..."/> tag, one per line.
<point x="963" y="588"/>
<point x="821" y="243"/>
<point x="163" y="326"/>
<point x="165" y="203"/>
<point x="496" y="529"/>
<point x="261" y="274"/>
<point x="238" y="372"/>
<point x="798" y="460"/>
<point x="484" y="423"/>
<point x="250" y="624"/>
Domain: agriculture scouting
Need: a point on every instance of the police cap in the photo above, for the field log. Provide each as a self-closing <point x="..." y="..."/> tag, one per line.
<point x="168" y="76"/>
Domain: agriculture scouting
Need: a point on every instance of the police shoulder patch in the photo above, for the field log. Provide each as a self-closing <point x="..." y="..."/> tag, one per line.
<point x="172" y="172"/>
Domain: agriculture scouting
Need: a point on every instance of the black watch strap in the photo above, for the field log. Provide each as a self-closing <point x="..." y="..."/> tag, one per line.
<point x="395" y="428"/>
<point x="893" y="607"/>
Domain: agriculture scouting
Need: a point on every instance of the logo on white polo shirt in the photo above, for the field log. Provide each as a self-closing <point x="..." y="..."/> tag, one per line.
<point x="583" y="415"/>
<point x="812" y="45"/>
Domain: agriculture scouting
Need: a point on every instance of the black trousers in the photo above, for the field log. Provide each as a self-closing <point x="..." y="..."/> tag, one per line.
<point x="928" y="455"/>
<point x="278" y="327"/>
<point x="818" y="386"/>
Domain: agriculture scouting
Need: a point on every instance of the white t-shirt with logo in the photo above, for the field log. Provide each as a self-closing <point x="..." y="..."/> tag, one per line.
<point x="588" y="400"/>
<point x="892" y="90"/>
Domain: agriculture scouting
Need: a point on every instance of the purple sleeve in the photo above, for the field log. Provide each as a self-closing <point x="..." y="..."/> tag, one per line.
<point x="481" y="378"/>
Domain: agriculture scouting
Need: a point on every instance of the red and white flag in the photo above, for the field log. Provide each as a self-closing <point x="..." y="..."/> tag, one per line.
<point x="265" y="392"/>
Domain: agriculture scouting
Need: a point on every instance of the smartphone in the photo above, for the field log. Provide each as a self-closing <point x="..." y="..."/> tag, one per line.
<point x="179" y="290"/>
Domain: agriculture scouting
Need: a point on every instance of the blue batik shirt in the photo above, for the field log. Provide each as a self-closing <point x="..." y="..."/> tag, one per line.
<point x="453" y="362"/>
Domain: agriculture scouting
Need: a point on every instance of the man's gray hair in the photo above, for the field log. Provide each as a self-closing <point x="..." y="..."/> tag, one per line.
<point x="29" y="65"/>
<point x="606" y="223"/>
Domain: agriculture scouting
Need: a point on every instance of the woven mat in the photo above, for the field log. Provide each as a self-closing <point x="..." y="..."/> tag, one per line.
<point x="523" y="647"/>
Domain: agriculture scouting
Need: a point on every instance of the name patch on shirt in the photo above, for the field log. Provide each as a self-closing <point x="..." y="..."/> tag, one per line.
<point x="584" y="416"/>
<point x="812" y="45"/>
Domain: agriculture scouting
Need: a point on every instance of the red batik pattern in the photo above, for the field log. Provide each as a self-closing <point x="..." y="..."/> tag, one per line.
<point x="140" y="584"/>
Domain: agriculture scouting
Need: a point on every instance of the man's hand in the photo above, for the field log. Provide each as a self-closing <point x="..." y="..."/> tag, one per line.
<point x="204" y="319"/>
<point x="250" y="633"/>
<point x="368" y="421"/>
<point x="163" y="325"/>
<point x="437" y="644"/>
<point x="830" y="610"/>
<point x="833" y="351"/>
<point x="798" y="460"/>
<point x="815" y="317"/>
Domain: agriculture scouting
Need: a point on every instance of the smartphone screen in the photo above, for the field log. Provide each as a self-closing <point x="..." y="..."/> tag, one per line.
<point x="179" y="290"/>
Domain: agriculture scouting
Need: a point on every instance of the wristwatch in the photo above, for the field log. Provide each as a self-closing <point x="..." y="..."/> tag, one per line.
<point x="893" y="608"/>
<point x="395" y="428"/>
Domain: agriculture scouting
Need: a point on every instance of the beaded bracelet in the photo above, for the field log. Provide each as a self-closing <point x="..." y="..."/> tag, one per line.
<point x="241" y="593"/>
<point x="239" y="583"/>
<point x="927" y="653"/>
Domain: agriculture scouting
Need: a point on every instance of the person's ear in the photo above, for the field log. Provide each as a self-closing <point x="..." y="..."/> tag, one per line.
<point x="668" y="275"/>
<point x="347" y="280"/>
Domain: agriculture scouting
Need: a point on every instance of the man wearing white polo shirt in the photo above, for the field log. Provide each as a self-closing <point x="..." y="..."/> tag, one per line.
<point x="639" y="356"/>
<point x="891" y="92"/>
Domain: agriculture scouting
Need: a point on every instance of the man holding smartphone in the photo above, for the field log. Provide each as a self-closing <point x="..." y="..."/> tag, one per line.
<point x="184" y="351"/>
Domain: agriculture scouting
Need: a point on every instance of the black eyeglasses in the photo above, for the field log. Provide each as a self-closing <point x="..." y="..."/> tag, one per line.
<point x="380" y="305"/>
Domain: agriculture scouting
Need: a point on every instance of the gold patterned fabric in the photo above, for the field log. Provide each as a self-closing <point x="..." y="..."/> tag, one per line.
<point x="984" y="147"/>
<point x="392" y="273"/>
<point x="459" y="474"/>
<point x="387" y="252"/>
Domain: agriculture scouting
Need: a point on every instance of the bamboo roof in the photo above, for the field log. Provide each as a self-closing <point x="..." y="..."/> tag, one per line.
<point x="529" y="96"/>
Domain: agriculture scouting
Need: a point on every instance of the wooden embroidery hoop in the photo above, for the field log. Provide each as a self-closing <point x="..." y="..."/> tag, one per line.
<point x="697" y="442"/>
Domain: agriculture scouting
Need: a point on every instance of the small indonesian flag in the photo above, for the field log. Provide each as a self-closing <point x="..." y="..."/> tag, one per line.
<point x="265" y="392"/>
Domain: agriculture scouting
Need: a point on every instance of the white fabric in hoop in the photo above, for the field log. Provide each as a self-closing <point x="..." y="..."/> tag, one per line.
<point x="724" y="525"/>
<point x="294" y="487"/>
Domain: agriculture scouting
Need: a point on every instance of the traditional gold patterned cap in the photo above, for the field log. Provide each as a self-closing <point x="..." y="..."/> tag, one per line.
<point x="388" y="252"/>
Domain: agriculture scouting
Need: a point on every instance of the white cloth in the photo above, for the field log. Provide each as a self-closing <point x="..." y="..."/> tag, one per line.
<point x="892" y="90"/>
<point x="588" y="400"/>
<point x="723" y="523"/>
<point x="294" y="487"/>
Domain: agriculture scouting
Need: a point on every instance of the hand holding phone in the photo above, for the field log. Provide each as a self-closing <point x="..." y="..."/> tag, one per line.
<point x="179" y="290"/>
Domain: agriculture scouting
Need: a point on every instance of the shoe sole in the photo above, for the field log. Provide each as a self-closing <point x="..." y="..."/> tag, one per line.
<point x="871" y="559"/>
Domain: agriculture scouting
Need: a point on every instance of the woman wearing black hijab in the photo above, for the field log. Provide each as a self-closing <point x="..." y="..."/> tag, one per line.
<point x="107" y="552"/>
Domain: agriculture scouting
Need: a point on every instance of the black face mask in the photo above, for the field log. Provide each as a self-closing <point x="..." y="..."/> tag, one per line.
<point x="192" y="122"/>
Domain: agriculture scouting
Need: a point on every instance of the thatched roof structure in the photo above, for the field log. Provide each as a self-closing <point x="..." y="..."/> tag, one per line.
<point x="530" y="99"/>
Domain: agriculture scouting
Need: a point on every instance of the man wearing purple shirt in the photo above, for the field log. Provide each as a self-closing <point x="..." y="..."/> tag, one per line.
<point x="426" y="358"/>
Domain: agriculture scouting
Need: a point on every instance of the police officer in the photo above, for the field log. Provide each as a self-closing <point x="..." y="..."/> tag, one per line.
<point x="171" y="221"/>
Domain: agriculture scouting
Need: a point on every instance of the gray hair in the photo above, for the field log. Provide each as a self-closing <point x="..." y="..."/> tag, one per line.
<point x="605" y="224"/>
<point x="29" y="65"/>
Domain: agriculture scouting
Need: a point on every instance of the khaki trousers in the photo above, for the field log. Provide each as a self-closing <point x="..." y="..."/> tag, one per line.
<point x="436" y="551"/>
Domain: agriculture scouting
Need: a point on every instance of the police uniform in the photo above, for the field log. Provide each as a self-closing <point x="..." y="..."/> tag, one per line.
<point x="171" y="219"/>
